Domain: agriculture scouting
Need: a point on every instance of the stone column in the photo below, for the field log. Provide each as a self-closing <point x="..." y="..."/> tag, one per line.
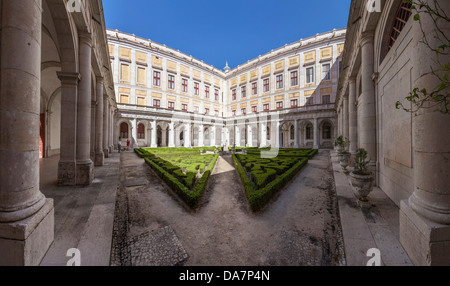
<point x="85" y="166"/>
<point x="99" y="154"/>
<point x="345" y="118"/>
<point x="212" y="137"/>
<point x="316" y="133"/>
<point x="237" y="139"/>
<point x="154" y="129"/>
<point x="171" y="134"/>
<point x="68" y="138"/>
<point x="249" y="136"/>
<point x="134" y="134"/>
<point x="106" y="128"/>
<point x="26" y="216"/>
<point x="353" y="128"/>
<point x="263" y="135"/>
<point x="200" y="135"/>
<point x="113" y="137"/>
<point x="187" y="135"/>
<point x="278" y="135"/>
<point x="366" y="110"/>
<point x="296" y="144"/>
<point x="163" y="137"/>
<point x="425" y="217"/>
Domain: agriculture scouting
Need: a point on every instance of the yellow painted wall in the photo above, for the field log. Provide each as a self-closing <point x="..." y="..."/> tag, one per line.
<point x="141" y="76"/>
<point x="124" y="72"/>
<point x="310" y="57"/>
<point x="156" y="95"/>
<point x="326" y="53"/>
<point x="184" y="100"/>
<point x="125" y="53"/>
<point x="171" y="98"/>
<point x="171" y="65"/>
<point x="141" y="92"/>
<point x="340" y="49"/>
<point x="111" y="50"/>
<point x="124" y="99"/>
<point x="197" y="74"/>
<point x="141" y="101"/>
<point x="234" y="82"/>
<point x="157" y="61"/>
<point x="184" y="70"/>
<point x="124" y="90"/>
<point x="327" y="90"/>
<point x="254" y="74"/>
<point x="280" y="97"/>
<point x="141" y="57"/>
<point x="266" y="70"/>
<point x="294" y="61"/>
<point x="243" y="78"/>
<point x="279" y="65"/>
<point x="294" y="95"/>
<point x="309" y="92"/>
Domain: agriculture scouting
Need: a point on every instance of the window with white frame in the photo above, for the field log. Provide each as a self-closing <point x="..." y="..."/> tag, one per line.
<point x="156" y="78"/>
<point x="206" y="111"/>
<point x="294" y="103"/>
<point x="254" y="109"/>
<point x="233" y="94"/>
<point x="326" y="99"/>
<point x="196" y="88"/>
<point x="254" y="88"/>
<point x="216" y="95"/>
<point x="171" y="81"/>
<point x="156" y="103"/>
<point x="266" y="107"/>
<point x="294" y="78"/>
<point x="310" y="75"/>
<point x="171" y="105"/>
<point x="326" y="72"/>
<point x="266" y="84"/>
<point x="279" y="105"/>
<point x="206" y="91"/>
<point x="280" y="81"/>
<point x="233" y="112"/>
<point x="216" y="113"/>
<point x="196" y="109"/>
<point x="184" y="85"/>
<point x="244" y="91"/>
<point x="184" y="107"/>
<point x="244" y="111"/>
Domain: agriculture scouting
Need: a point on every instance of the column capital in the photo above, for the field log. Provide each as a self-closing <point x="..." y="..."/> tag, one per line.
<point x="68" y="78"/>
<point x="366" y="38"/>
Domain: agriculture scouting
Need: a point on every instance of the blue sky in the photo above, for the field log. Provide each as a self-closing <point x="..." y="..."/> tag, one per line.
<point x="228" y="30"/>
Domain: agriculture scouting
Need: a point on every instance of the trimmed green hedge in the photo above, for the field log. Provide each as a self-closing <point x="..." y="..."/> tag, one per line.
<point x="191" y="197"/>
<point x="259" y="197"/>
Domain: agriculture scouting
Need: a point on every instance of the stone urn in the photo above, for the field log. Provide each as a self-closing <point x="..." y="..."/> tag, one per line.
<point x="344" y="160"/>
<point x="363" y="185"/>
<point x="339" y="149"/>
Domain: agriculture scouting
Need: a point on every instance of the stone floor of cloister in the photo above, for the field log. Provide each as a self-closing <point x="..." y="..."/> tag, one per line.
<point x="128" y="216"/>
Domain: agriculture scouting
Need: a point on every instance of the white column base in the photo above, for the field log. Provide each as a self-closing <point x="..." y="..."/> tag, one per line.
<point x="427" y="243"/>
<point x="25" y="243"/>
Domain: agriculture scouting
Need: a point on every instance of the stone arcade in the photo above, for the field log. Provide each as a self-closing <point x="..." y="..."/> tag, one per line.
<point x="55" y="72"/>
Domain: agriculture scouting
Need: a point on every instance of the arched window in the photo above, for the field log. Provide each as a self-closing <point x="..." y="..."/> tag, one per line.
<point x="292" y="132"/>
<point x="268" y="133"/>
<point x="182" y="135"/>
<point x="402" y="16"/>
<point x="309" y="132"/>
<point x="326" y="131"/>
<point x="124" y="130"/>
<point x="206" y="134"/>
<point x="141" y="131"/>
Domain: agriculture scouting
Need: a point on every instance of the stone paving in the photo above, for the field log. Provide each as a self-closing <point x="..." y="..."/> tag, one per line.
<point x="299" y="227"/>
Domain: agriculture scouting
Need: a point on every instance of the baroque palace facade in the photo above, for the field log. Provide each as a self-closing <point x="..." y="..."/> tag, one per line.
<point x="384" y="60"/>
<point x="57" y="97"/>
<point x="284" y="98"/>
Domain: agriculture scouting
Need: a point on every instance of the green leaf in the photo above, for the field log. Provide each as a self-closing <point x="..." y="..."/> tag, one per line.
<point x="417" y="17"/>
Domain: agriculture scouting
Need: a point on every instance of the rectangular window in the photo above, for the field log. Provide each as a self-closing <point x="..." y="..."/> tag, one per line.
<point x="216" y="95"/>
<point x="124" y="72"/>
<point x="244" y="111"/>
<point x="141" y="101"/>
<point x="326" y="99"/>
<point x="124" y="99"/>
<point x="310" y="75"/>
<point x="196" y="109"/>
<point x="266" y="107"/>
<point x="171" y="81"/>
<point x="206" y="91"/>
<point x="326" y="74"/>
<point x="196" y="88"/>
<point x="266" y="83"/>
<point x="156" y="103"/>
<point x="279" y="105"/>
<point x="206" y="111"/>
<point x="171" y="105"/>
<point x="233" y="94"/>
<point x="184" y="107"/>
<point x="309" y="100"/>
<point x="216" y="112"/>
<point x="294" y="78"/>
<point x="184" y="85"/>
<point x="233" y="112"/>
<point x="244" y="91"/>
<point x="294" y="103"/>
<point x="254" y="109"/>
<point x="156" y="78"/>
<point x="279" y="81"/>
<point x="254" y="88"/>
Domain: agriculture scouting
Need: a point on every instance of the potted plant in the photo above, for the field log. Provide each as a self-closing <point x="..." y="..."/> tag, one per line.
<point x="344" y="160"/>
<point x="340" y="143"/>
<point x="361" y="178"/>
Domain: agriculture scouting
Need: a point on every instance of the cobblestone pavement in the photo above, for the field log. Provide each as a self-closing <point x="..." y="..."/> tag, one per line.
<point x="300" y="227"/>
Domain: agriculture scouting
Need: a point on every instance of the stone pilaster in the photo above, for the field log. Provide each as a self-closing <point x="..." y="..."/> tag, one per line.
<point x="263" y="140"/>
<point x="366" y="102"/>
<point x="106" y="127"/>
<point x="200" y="135"/>
<point x="249" y="136"/>
<point x="316" y="133"/>
<point x="26" y="216"/>
<point x="85" y="166"/>
<point x="425" y="217"/>
<point x="154" y="140"/>
<point x="99" y="154"/>
<point x="187" y="135"/>
<point x="171" y="135"/>
<point x="353" y="128"/>
<point x="345" y="118"/>
<point x="296" y="143"/>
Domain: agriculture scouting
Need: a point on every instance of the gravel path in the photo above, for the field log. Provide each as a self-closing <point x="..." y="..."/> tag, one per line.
<point x="299" y="227"/>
